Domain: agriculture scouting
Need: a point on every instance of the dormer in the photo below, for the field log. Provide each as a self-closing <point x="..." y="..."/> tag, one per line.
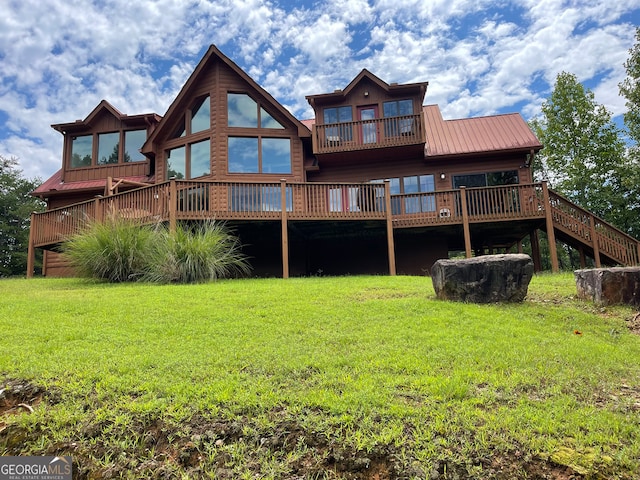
<point x="369" y="114"/>
<point x="105" y="144"/>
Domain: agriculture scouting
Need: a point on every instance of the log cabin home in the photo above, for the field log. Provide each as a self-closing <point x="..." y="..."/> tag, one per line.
<point x="376" y="182"/>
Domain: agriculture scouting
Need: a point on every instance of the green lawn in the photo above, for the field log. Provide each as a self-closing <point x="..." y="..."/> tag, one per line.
<point x="349" y="377"/>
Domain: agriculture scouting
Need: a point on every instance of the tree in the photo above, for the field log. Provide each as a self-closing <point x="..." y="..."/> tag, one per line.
<point x="630" y="90"/>
<point x="16" y="205"/>
<point x="584" y="156"/>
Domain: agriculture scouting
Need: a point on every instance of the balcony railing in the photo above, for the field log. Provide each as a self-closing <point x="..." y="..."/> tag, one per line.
<point x="198" y="200"/>
<point x="367" y="134"/>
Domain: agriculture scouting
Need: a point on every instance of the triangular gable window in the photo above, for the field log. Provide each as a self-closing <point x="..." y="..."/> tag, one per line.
<point x="267" y="121"/>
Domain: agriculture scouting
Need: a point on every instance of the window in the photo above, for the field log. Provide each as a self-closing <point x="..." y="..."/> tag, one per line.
<point x="108" y="146"/>
<point x="81" y="151"/>
<point x="133" y="141"/>
<point x="177" y="163"/>
<point x="189" y="161"/>
<point x="335" y="115"/>
<point x="398" y="126"/>
<point x="199" y="116"/>
<point x="243" y="155"/>
<point x="419" y="203"/>
<point x="259" y="155"/>
<point x="244" y="111"/>
<point x="416" y="191"/>
<point x="200" y="113"/>
<point x="509" y="177"/>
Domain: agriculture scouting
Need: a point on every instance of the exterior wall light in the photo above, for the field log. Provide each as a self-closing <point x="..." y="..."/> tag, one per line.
<point x="442" y="176"/>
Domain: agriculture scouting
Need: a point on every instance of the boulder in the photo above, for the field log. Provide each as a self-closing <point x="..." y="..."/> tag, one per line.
<point x="485" y="279"/>
<point x="609" y="286"/>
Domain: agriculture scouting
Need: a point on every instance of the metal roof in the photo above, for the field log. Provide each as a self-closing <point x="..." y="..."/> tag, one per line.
<point x="55" y="185"/>
<point x="476" y="135"/>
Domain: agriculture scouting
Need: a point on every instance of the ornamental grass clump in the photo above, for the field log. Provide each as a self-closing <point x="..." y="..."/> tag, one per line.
<point x="116" y="250"/>
<point x="119" y="250"/>
<point x="197" y="253"/>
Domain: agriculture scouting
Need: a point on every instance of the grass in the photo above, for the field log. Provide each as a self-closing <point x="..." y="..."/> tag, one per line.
<point x="348" y="377"/>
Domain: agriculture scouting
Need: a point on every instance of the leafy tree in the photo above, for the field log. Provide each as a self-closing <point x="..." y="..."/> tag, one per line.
<point x="630" y="90"/>
<point x="584" y="156"/>
<point x="16" y="205"/>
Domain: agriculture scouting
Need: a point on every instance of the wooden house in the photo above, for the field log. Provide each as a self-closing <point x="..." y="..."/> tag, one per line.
<point x="377" y="182"/>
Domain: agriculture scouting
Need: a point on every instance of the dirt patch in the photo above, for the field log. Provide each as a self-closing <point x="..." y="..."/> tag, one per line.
<point x="17" y="397"/>
<point x="634" y="324"/>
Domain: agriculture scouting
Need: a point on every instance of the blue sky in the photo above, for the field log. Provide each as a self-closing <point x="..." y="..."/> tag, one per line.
<point x="59" y="58"/>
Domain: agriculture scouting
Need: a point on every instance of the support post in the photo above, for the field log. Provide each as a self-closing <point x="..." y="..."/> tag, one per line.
<point x="594" y="240"/>
<point x="551" y="234"/>
<point x="285" y="229"/>
<point x="535" y="251"/>
<point x="31" y="251"/>
<point x="390" y="242"/>
<point x="173" y="205"/>
<point x="638" y="257"/>
<point x="465" y="222"/>
<point x="583" y="260"/>
<point x="109" y="187"/>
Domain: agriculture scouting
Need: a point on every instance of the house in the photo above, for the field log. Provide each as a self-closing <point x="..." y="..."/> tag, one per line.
<point x="377" y="182"/>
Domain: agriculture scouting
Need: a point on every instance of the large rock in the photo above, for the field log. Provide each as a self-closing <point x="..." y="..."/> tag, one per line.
<point x="609" y="286"/>
<point x="485" y="279"/>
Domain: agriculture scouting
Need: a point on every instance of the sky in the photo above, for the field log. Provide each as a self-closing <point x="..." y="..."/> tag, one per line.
<point x="60" y="58"/>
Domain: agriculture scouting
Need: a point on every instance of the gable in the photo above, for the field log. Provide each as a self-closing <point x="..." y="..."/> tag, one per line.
<point x="223" y="124"/>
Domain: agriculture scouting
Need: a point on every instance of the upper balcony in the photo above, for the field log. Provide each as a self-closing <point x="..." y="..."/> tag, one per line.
<point x="392" y="132"/>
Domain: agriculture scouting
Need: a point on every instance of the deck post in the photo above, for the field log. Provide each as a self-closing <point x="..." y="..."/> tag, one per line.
<point x="285" y="230"/>
<point x="109" y="187"/>
<point x="594" y="239"/>
<point x="551" y="235"/>
<point x="583" y="260"/>
<point x="173" y="205"/>
<point x="31" y="251"/>
<point x="390" y="242"/>
<point x="535" y="251"/>
<point x="638" y="257"/>
<point x="465" y="222"/>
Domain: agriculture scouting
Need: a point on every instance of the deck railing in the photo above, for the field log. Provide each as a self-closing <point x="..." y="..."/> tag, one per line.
<point x="365" y="134"/>
<point x="579" y="223"/>
<point x="197" y="200"/>
<point x="490" y="204"/>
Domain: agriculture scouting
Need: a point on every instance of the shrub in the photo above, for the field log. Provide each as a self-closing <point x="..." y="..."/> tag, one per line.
<point x="197" y="253"/>
<point x="120" y="250"/>
<point x="116" y="250"/>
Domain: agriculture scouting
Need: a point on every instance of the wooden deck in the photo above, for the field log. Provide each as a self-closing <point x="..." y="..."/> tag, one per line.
<point x="282" y="201"/>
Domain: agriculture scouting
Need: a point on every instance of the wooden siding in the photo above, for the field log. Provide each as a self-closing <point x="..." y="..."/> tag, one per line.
<point x="362" y="168"/>
<point x="83" y="174"/>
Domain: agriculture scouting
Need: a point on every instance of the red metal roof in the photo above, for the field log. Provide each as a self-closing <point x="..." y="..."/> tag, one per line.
<point x="476" y="135"/>
<point x="55" y="185"/>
